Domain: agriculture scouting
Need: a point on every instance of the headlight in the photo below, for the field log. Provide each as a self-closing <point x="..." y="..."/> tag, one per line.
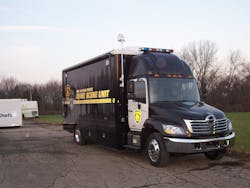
<point x="230" y="125"/>
<point x="173" y="130"/>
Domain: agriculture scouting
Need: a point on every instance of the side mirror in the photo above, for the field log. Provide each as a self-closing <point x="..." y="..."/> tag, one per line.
<point x="131" y="87"/>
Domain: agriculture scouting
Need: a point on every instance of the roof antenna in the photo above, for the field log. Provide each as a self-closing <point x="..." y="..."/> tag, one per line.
<point x="121" y="39"/>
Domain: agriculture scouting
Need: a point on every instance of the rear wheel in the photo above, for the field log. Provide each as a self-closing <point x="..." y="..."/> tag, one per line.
<point x="215" y="155"/>
<point x="156" y="151"/>
<point x="78" y="136"/>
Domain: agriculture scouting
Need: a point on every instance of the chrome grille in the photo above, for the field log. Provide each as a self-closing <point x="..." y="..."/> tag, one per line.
<point x="207" y="127"/>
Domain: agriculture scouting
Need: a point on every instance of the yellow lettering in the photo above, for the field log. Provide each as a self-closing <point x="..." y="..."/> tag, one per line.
<point x="90" y="89"/>
<point x="80" y="95"/>
<point x="103" y="93"/>
<point x="91" y="95"/>
<point x="85" y="90"/>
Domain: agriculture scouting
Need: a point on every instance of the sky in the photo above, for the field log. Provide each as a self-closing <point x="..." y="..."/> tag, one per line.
<point x="39" y="38"/>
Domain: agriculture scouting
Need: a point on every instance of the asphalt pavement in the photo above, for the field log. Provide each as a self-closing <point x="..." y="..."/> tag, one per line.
<point x="44" y="156"/>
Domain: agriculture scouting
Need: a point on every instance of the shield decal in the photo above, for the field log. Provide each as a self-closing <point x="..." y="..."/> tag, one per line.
<point x="137" y="116"/>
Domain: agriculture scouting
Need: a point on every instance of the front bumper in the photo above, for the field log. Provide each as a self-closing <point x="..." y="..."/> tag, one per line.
<point x="185" y="145"/>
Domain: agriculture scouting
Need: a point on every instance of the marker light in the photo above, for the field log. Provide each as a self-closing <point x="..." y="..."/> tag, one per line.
<point x="156" y="75"/>
<point x="190" y="76"/>
<point x="157" y="50"/>
<point x="174" y="75"/>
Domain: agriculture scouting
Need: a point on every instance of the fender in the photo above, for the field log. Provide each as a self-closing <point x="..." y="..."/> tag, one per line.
<point x="153" y="124"/>
<point x="150" y="126"/>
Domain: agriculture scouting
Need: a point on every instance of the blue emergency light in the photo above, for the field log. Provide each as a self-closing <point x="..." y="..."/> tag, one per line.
<point x="145" y="49"/>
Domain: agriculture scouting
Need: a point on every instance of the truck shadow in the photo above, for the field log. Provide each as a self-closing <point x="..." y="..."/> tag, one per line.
<point x="178" y="162"/>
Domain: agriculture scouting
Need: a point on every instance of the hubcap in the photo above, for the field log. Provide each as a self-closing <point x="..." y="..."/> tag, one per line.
<point x="154" y="150"/>
<point x="77" y="135"/>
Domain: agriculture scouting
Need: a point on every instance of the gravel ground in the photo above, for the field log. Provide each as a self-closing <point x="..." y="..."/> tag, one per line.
<point x="40" y="155"/>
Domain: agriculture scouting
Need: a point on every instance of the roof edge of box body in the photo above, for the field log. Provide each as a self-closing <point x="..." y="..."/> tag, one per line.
<point x="124" y="51"/>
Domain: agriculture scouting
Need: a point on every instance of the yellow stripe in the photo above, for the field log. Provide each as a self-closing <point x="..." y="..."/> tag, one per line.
<point x="95" y="101"/>
<point x="66" y="102"/>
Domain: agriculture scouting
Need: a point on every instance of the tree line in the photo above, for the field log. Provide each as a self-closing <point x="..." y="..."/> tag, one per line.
<point x="48" y="95"/>
<point x="224" y="84"/>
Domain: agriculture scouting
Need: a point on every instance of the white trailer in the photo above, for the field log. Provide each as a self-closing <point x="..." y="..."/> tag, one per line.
<point x="30" y="109"/>
<point x="10" y="113"/>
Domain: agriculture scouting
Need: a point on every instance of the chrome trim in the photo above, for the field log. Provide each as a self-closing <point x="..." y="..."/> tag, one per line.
<point x="205" y="121"/>
<point x="192" y="141"/>
<point x="154" y="150"/>
<point x="207" y="126"/>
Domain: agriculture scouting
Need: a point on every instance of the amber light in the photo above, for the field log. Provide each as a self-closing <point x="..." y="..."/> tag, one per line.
<point x="174" y="75"/>
<point x="156" y="75"/>
<point x="190" y="76"/>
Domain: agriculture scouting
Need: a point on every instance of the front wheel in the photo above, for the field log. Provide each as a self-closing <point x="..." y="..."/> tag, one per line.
<point x="78" y="136"/>
<point x="215" y="155"/>
<point x="156" y="151"/>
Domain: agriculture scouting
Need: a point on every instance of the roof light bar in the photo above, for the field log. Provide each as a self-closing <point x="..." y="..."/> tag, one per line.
<point x="145" y="49"/>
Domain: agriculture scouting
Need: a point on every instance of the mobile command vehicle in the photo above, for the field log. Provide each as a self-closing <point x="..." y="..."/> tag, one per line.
<point x="142" y="98"/>
<point x="10" y="113"/>
<point x="30" y="109"/>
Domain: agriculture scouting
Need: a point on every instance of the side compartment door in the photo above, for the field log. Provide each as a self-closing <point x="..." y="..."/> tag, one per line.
<point x="138" y="104"/>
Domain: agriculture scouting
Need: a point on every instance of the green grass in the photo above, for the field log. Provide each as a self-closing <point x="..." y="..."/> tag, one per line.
<point x="240" y="120"/>
<point x="51" y="119"/>
<point x="241" y="125"/>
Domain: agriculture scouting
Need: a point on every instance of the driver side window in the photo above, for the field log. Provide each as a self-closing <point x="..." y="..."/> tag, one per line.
<point x="140" y="91"/>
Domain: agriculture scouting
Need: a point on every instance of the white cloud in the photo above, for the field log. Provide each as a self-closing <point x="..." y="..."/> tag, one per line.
<point x="29" y="28"/>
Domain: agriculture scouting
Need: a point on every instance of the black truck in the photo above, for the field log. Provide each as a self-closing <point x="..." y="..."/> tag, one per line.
<point x="143" y="99"/>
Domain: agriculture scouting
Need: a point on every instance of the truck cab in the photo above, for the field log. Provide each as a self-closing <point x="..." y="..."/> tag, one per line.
<point x="165" y="109"/>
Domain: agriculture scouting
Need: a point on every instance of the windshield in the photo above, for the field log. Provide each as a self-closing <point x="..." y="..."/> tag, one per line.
<point x="173" y="89"/>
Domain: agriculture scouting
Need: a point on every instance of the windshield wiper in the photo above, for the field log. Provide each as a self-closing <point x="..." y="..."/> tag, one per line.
<point x="163" y="101"/>
<point x="187" y="101"/>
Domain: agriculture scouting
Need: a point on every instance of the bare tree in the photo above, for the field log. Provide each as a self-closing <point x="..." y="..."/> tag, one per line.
<point x="201" y="57"/>
<point x="236" y="62"/>
<point x="232" y="88"/>
<point x="7" y="86"/>
<point x="48" y="95"/>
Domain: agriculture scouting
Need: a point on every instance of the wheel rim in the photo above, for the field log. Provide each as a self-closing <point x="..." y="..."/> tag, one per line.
<point x="77" y="135"/>
<point x="153" y="150"/>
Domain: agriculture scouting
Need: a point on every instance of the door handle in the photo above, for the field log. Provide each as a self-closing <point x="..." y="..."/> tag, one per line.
<point x="139" y="106"/>
<point x="130" y="111"/>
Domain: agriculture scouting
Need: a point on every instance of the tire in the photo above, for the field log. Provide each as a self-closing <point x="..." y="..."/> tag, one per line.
<point x="215" y="155"/>
<point x="156" y="151"/>
<point x="78" y="136"/>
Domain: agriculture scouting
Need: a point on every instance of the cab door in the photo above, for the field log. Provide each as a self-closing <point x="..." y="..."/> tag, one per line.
<point x="138" y="104"/>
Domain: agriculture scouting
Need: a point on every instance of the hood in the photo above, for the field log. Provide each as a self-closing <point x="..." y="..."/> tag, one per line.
<point x="177" y="111"/>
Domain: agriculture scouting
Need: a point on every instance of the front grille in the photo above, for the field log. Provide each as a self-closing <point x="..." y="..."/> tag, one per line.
<point x="207" y="127"/>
